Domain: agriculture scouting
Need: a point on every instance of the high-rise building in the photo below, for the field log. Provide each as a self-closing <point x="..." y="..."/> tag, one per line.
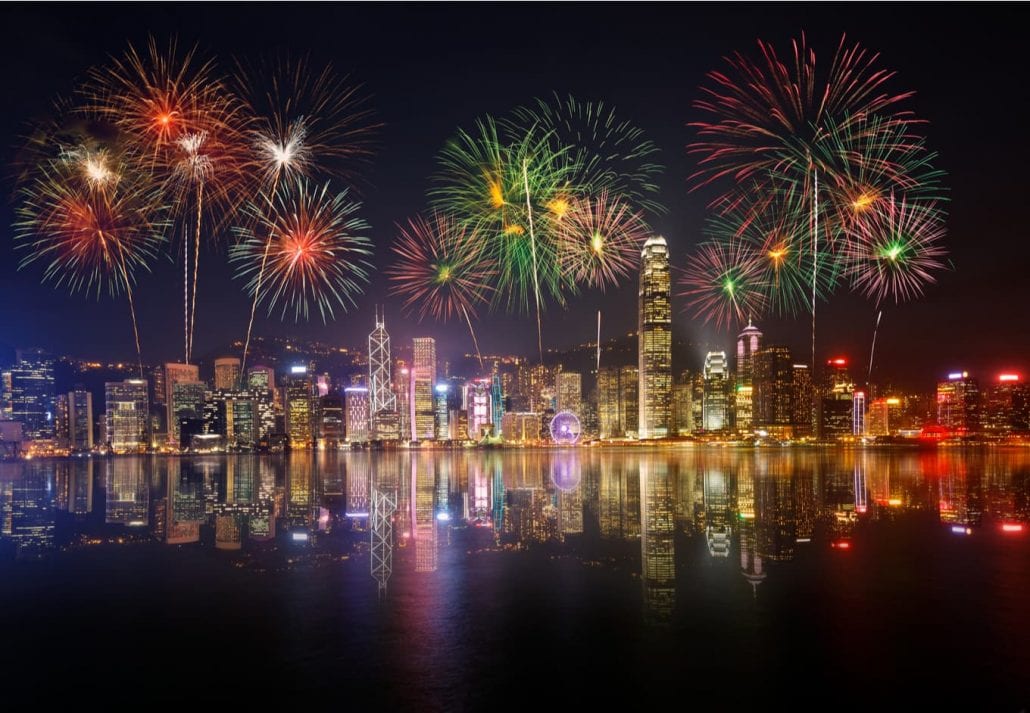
<point x="5" y="395"/>
<point x="521" y="427"/>
<point x="683" y="404"/>
<point x="381" y="399"/>
<point x="227" y="373"/>
<point x="883" y="416"/>
<point x="478" y="405"/>
<point x="300" y="408"/>
<point x="749" y="341"/>
<point x="261" y="377"/>
<point x="958" y="403"/>
<point x="496" y="403"/>
<point x="356" y="403"/>
<point x="423" y="379"/>
<point x="569" y="386"/>
<point x="332" y="424"/>
<point x="773" y="398"/>
<point x="654" y="334"/>
<point x="835" y="404"/>
<point x="187" y="407"/>
<point x="715" y="407"/>
<point x="441" y="411"/>
<point x="175" y="374"/>
<point x="617" y="404"/>
<point x="159" y="391"/>
<point x="858" y="414"/>
<point x="402" y="392"/>
<point x="1006" y="406"/>
<point x="32" y="394"/>
<point x="61" y="421"/>
<point x="127" y="407"/>
<point x="80" y="419"/>
<point x="802" y="400"/>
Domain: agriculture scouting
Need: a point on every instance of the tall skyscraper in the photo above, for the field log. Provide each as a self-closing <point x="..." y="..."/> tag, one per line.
<point x="441" y="421"/>
<point x="186" y="406"/>
<point x="835" y="404"/>
<point x="402" y="392"/>
<point x="1006" y="406"/>
<point x="382" y="403"/>
<point x="958" y="403"/>
<point x="802" y="400"/>
<point x="478" y="398"/>
<point x="261" y="377"/>
<point x="654" y="347"/>
<point x="773" y="379"/>
<point x="715" y="406"/>
<point x="749" y="342"/>
<point x="175" y="374"/>
<point x="127" y="408"/>
<point x="496" y="403"/>
<point x="80" y="419"/>
<point x="5" y="395"/>
<point x="300" y="409"/>
<point x="569" y="386"/>
<point x="356" y="403"/>
<point x="617" y="401"/>
<point x="423" y="379"/>
<point x="32" y="394"/>
<point x="227" y="373"/>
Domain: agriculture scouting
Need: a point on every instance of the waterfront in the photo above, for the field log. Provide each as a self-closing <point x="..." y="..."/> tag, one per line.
<point x="623" y="576"/>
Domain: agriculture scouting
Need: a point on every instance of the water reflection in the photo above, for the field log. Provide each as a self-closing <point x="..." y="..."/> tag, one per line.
<point x="423" y="512"/>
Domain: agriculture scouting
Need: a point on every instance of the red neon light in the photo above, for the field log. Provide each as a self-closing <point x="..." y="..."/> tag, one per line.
<point x="839" y="361"/>
<point x="1012" y="527"/>
<point x="1008" y="377"/>
<point x="842" y="545"/>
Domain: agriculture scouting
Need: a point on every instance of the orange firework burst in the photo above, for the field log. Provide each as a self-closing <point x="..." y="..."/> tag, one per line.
<point x="318" y="255"/>
<point x="600" y="241"/>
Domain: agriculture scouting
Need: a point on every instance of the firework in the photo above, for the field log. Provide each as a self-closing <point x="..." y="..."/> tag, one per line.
<point x="440" y="271"/>
<point x="318" y="259"/>
<point x="600" y="241"/>
<point x="774" y="223"/>
<point x="609" y="153"/>
<point x="723" y="283"/>
<point x="91" y="223"/>
<point x="769" y="114"/>
<point x="896" y="250"/>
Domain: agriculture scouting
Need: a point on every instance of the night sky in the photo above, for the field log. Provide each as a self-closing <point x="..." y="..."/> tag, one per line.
<point x="432" y="68"/>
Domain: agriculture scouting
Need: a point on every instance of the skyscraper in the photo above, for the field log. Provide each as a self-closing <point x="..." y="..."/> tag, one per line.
<point x="382" y="403"/>
<point x="836" y="401"/>
<point x="749" y="342"/>
<point x="654" y="333"/>
<point x="261" y="377"/>
<point x="80" y="419"/>
<point x="715" y="406"/>
<point x="958" y="403"/>
<point x="356" y="405"/>
<point x="569" y="386"/>
<point x="127" y="408"/>
<point x="1006" y="406"/>
<point x="32" y="394"/>
<point x="802" y="400"/>
<point x="617" y="402"/>
<point x="174" y="374"/>
<point x="300" y="409"/>
<point x="441" y="422"/>
<point x="186" y="405"/>
<point x="423" y="378"/>
<point x="773" y="379"/>
<point x="227" y="373"/>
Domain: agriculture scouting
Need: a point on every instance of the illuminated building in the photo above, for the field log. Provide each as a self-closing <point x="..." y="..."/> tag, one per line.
<point x="382" y="403"/>
<point x="331" y="422"/>
<point x="32" y="394"/>
<point x="683" y="404"/>
<point x="858" y="414"/>
<point x="5" y="395"/>
<point x="496" y="404"/>
<point x="617" y="403"/>
<point x="300" y="409"/>
<point x="186" y="405"/>
<point x="423" y="378"/>
<point x="61" y="421"/>
<point x="402" y="392"/>
<point x="356" y="402"/>
<point x="176" y="374"/>
<point x="227" y="373"/>
<point x="441" y="427"/>
<point x="569" y="386"/>
<point x="958" y="403"/>
<point x="1006" y="406"/>
<point x="127" y="407"/>
<point x="654" y="333"/>
<point x="882" y="416"/>
<point x="773" y="379"/>
<point x="159" y="390"/>
<point x="80" y="419"/>
<point x="749" y="341"/>
<point x="802" y="401"/>
<point x="261" y="377"/>
<point x="715" y="407"/>
<point x="836" y="401"/>
<point x="478" y="405"/>
<point x="521" y="427"/>
<point x="657" y="539"/>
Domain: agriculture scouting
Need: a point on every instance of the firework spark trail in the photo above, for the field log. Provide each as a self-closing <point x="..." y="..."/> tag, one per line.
<point x="872" y="349"/>
<point x="532" y="242"/>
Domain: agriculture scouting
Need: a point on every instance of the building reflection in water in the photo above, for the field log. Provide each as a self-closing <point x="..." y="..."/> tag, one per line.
<point x="657" y="535"/>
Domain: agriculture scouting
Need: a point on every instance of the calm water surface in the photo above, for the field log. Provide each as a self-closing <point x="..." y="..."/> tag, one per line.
<point x="506" y="579"/>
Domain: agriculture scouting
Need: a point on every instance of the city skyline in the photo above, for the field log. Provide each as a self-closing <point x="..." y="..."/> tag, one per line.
<point x="915" y="338"/>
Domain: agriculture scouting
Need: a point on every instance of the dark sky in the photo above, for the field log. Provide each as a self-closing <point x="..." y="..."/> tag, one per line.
<point x="431" y="68"/>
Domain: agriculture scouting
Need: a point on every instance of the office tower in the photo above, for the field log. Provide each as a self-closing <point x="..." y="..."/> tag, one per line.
<point x="441" y="422"/>
<point x="836" y="401"/>
<point x="61" y="421"/>
<point x="187" y="407"/>
<point x="5" y="395"/>
<point x="773" y="395"/>
<point x="300" y="408"/>
<point x="128" y="408"/>
<point x="423" y="378"/>
<point x="749" y="342"/>
<point x="496" y="404"/>
<point x="858" y="414"/>
<point x="175" y="374"/>
<point x="356" y="404"/>
<point x="802" y="402"/>
<point x="683" y="404"/>
<point x="617" y="404"/>
<point x="382" y="402"/>
<point x="159" y="390"/>
<point x="654" y="334"/>
<point x="958" y="403"/>
<point x="478" y="405"/>
<point x="227" y="373"/>
<point x="402" y="392"/>
<point x="521" y="427"/>
<point x="332" y="424"/>
<point x="883" y="416"/>
<point x="569" y="386"/>
<point x="261" y="377"/>
<point x="1006" y="406"/>
<point x="80" y="420"/>
<point x="32" y="394"/>
<point x="715" y="406"/>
